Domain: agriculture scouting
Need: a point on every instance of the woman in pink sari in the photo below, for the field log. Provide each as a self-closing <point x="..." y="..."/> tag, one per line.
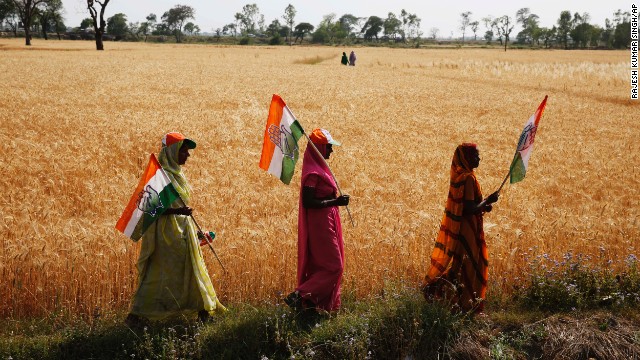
<point x="320" y="246"/>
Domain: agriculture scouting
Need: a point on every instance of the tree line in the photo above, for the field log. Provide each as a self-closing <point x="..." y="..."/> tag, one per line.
<point x="570" y="31"/>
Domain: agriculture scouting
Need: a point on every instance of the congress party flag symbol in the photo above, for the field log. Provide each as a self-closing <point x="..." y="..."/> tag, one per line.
<point x="280" y="146"/>
<point x="152" y="197"/>
<point x="520" y="164"/>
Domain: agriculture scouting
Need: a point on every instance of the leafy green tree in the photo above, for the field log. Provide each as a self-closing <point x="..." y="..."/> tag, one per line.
<point x="372" y="28"/>
<point x="607" y="33"/>
<point x="9" y="13"/>
<point x="530" y="29"/>
<point x="284" y="31"/>
<point x="27" y="11"/>
<point x="581" y="34"/>
<point x="274" y="28"/>
<point x="86" y="23"/>
<point x="622" y="32"/>
<point x="488" y="34"/>
<point x="301" y="30"/>
<point x="117" y="25"/>
<point x="410" y="25"/>
<point x="347" y="24"/>
<point x="564" y="28"/>
<point x="275" y="31"/>
<point x="548" y="35"/>
<point x="6" y="8"/>
<point x="392" y="26"/>
<point x="147" y="27"/>
<point x="175" y="18"/>
<point x="231" y="29"/>
<point x="50" y="13"/>
<point x="162" y="29"/>
<point x="133" y="30"/>
<point x="289" y="19"/>
<point x="596" y="35"/>
<point x="190" y="28"/>
<point x="249" y="19"/>
<point x="58" y="26"/>
<point x="622" y="35"/>
<point x="326" y="30"/>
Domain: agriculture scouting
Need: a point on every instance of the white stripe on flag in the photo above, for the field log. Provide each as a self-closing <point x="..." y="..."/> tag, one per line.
<point x="158" y="182"/>
<point x="275" y="167"/>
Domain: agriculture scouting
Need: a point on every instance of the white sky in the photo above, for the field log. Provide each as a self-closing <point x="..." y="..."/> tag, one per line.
<point x="442" y="14"/>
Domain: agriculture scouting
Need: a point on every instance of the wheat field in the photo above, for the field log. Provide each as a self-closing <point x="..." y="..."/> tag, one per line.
<point x="77" y="127"/>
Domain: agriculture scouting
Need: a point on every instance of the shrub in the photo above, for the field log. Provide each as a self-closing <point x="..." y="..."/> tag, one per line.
<point x="575" y="283"/>
<point x="276" y="40"/>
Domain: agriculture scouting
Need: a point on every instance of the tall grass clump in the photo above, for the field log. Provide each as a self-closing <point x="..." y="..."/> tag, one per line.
<point x="576" y="283"/>
<point x="313" y="60"/>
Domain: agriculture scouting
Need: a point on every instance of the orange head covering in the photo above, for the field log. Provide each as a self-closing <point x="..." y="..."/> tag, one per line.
<point x="445" y="249"/>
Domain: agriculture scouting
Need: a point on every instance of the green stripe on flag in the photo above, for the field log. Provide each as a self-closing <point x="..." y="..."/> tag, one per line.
<point x="517" y="169"/>
<point x="289" y="164"/>
<point x="167" y="196"/>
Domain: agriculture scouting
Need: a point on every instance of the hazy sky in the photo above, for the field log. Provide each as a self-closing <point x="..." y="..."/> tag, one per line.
<point x="443" y="14"/>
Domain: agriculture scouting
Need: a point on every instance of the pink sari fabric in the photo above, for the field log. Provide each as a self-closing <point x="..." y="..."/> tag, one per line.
<point x="320" y="246"/>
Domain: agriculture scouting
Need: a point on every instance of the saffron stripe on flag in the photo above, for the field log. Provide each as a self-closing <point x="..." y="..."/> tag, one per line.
<point x="520" y="163"/>
<point x="280" y="144"/>
<point x="153" y="195"/>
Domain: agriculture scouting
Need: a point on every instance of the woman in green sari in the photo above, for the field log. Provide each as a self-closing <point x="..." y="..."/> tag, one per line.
<point x="172" y="276"/>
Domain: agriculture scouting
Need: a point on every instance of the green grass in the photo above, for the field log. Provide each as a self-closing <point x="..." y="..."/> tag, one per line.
<point x="562" y="310"/>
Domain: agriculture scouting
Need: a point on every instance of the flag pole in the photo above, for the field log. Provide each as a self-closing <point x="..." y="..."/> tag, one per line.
<point x="200" y="230"/>
<point x="509" y="173"/>
<point x="330" y="172"/>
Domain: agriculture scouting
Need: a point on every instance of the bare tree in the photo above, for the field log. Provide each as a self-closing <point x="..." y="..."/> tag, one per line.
<point x="505" y="25"/>
<point x="98" y="19"/>
<point x="464" y="22"/>
<point x="495" y="24"/>
<point x="474" y="28"/>
<point x="27" y="9"/>
<point x="433" y="32"/>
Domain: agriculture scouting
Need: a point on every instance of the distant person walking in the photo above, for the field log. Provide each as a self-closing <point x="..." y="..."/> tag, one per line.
<point x="344" y="60"/>
<point x="459" y="262"/>
<point x="320" y="246"/>
<point x="352" y="59"/>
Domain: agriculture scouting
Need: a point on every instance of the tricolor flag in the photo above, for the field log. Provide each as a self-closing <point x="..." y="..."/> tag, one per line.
<point x="280" y="147"/>
<point x="520" y="162"/>
<point x="152" y="197"/>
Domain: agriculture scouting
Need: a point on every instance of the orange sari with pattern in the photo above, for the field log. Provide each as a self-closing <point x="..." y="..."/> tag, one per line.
<point x="459" y="262"/>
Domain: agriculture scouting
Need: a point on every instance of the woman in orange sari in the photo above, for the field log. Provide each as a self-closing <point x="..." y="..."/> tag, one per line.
<point x="459" y="262"/>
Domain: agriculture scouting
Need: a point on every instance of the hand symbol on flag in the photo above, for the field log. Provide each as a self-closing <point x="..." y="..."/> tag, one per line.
<point x="283" y="140"/>
<point x="149" y="201"/>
